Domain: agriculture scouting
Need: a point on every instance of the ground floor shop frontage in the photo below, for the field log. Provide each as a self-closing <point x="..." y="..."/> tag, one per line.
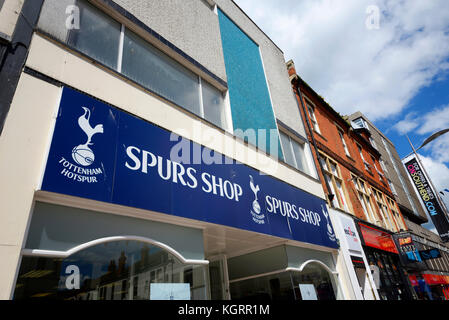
<point x="115" y="217"/>
<point x="83" y="254"/>
<point x="430" y="286"/>
<point x="353" y="255"/>
<point x="426" y="263"/>
<point x="383" y="257"/>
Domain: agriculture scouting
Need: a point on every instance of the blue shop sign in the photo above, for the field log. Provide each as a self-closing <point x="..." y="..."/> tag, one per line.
<point x="101" y="153"/>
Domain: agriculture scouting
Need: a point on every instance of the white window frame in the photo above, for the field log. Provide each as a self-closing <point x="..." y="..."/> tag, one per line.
<point x="367" y="165"/>
<point x="308" y="164"/>
<point x="373" y="143"/>
<point x="396" y="213"/>
<point x="355" y="123"/>
<point x="382" y="164"/>
<point x="381" y="175"/>
<point x="342" y="137"/>
<point x="392" y="187"/>
<point x="310" y="106"/>
<point x="333" y="178"/>
<point x="364" y="196"/>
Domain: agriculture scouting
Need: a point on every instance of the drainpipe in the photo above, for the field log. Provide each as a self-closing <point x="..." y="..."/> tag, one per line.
<point x="330" y="196"/>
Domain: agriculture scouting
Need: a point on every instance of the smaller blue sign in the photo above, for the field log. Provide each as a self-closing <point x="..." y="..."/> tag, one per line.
<point x="430" y="254"/>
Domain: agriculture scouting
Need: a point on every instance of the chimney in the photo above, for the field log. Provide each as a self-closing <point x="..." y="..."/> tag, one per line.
<point x="291" y="68"/>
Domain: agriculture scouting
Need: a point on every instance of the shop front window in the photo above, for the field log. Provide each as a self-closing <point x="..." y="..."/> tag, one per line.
<point x="391" y="285"/>
<point x="275" y="287"/>
<point x="313" y="283"/>
<point x="120" y="270"/>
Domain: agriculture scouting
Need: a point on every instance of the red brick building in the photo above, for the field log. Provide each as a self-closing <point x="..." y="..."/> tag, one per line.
<point x="352" y="173"/>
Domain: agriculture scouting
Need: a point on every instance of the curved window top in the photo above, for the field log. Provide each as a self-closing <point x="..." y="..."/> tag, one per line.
<point x="117" y="270"/>
<point x="316" y="262"/>
<point x="64" y="254"/>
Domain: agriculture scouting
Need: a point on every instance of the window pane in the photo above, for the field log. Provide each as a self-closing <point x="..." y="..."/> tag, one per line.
<point x="365" y="210"/>
<point x="323" y="163"/>
<point x="298" y="149"/>
<point x="315" y="277"/>
<point x="214" y="105"/>
<point x="334" y="168"/>
<point x="332" y="190"/>
<point x="286" y="147"/>
<point x="98" y="35"/>
<point x="341" y="195"/>
<point x="276" y="287"/>
<point x="362" y="186"/>
<point x="313" y="118"/>
<point x="148" y="66"/>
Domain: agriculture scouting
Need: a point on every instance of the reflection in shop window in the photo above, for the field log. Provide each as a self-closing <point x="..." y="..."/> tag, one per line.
<point x="287" y="286"/>
<point x="121" y="270"/>
<point x="314" y="275"/>
<point x="98" y="35"/>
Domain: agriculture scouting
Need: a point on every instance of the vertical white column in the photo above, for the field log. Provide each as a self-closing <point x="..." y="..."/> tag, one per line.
<point x="200" y="88"/>
<point x="120" y="49"/>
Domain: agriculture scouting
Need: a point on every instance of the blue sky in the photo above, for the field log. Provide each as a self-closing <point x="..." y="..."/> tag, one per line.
<point x="428" y="100"/>
<point x="386" y="58"/>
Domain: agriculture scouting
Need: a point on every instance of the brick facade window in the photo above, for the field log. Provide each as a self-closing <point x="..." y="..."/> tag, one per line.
<point x="367" y="165"/>
<point x="395" y="211"/>
<point x="388" y="220"/>
<point x="345" y="146"/>
<point x="335" y="180"/>
<point x="363" y="194"/>
<point x="311" y="110"/>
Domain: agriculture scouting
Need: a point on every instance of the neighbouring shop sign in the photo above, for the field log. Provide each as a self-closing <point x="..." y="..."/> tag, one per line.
<point x="350" y="232"/>
<point x="101" y="153"/>
<point x="408" y="252"/>
<point x="405" y="241"/>
<point x="429" y="199"/>
<point x="430" y="254"/>
<point x="434" y="279"/>
<point x="377" y="239"/>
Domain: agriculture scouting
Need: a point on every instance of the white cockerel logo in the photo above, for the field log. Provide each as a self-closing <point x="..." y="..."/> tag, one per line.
<point x="82" y="154"/>
<point x="254" y="188"/>
<point x="84" y="124"/>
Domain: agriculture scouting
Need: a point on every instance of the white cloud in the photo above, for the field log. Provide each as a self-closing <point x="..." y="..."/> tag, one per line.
<point x="427" y="124"/>
<point x="435" y="120"/>
<point x="408" y="124"/>
<point x="375" y="71"/>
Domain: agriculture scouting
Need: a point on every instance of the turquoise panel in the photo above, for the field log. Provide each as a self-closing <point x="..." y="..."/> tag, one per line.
<point x="248" y="91"/>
